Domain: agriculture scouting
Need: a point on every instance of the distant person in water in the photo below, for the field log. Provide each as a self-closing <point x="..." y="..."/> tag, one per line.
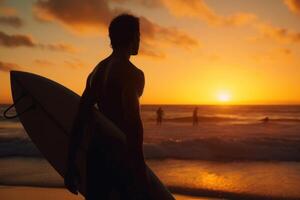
<point x="266" y="119"/>
<point x="159" y="116"/>
<point x="114" y="86"/>
<point x="195" y="116"/>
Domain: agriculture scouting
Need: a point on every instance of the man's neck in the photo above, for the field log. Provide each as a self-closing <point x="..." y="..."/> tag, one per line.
<point x="121" y="54"/>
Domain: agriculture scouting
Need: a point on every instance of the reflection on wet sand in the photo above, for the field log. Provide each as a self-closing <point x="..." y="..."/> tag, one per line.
<point x="234" y="180"/>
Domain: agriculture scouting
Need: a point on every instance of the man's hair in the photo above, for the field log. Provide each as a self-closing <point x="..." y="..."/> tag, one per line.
<point x="122" y="30"/>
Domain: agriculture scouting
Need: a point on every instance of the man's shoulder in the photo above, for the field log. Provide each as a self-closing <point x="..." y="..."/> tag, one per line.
<point x="136" y="71"/>
<point x="137" y="79"/>
<point x="102" y="63"/>
<point x="96" y="71"/>
<point x="99" y="66"/>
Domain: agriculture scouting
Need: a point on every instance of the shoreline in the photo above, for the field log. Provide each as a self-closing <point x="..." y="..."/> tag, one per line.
<point x="14" y="192"/>
<point x="56" y="193"/>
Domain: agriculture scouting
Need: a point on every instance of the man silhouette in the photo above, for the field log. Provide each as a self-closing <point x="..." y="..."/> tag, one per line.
<point x="195" y="116"/>
<point x="115" y="86"/>
<point x="159" y="116"/>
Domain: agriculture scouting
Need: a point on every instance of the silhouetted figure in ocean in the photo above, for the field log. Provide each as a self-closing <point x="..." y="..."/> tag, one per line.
<point x="159" y="116"/>
<point x="115" y="86"/>
<point x="195" y="116"/>
<point x="265" y="120"/>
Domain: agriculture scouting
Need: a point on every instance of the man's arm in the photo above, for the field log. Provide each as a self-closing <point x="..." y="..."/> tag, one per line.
<point x="131" y="111"/>
<point x="133" y="125"/>
<point x="83" y="115"/>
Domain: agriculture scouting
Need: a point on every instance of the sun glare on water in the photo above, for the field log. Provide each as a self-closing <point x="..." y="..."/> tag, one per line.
<point x="224" y="96"/>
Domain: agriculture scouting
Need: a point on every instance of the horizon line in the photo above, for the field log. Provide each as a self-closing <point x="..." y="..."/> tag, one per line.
<point x="195" y="104"/>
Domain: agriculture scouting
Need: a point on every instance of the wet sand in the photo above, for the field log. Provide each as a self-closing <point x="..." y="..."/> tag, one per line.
<point x="37" y="193"/>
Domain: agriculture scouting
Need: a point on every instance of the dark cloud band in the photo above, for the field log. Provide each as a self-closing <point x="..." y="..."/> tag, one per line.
<point x="6" y="67"/>
<point x="12" y="41"/>
<point x="11" y="21"/>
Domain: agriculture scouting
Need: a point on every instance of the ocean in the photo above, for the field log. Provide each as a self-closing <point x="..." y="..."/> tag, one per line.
<point x="231" y="154"/>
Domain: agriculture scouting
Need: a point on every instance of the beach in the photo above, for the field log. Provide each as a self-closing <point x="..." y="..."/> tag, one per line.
<point x="27" y="193"/>
<point x="35" y="193"/>
<point x="231" y="154"/>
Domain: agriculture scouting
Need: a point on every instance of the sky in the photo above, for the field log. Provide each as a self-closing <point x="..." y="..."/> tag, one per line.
<point x="192" y="52"/>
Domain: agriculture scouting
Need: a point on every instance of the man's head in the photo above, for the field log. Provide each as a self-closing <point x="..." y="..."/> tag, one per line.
<point x="124" y="33"/>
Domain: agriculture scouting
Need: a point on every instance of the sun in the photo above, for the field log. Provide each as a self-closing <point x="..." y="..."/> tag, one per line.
<point x="224" y="96"/>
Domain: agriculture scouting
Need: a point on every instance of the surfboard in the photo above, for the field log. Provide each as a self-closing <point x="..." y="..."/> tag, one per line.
<point x="47" y="110"/>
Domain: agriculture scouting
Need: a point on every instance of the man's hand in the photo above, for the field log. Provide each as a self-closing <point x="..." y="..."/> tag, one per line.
<point x="71" y="179"/>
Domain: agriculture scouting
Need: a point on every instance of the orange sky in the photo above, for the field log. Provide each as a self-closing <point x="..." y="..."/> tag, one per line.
<point x="191" y="53"/>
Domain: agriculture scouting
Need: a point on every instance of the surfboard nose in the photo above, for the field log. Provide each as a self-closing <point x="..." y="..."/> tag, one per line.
<point x="14" y="74"/>
<point x="19" y="84"/>
<point x="15" y="77"/>
<point x="23" y="79"/>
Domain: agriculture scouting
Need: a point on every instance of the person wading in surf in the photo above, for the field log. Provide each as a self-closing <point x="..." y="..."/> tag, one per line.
<point x="114" y="86"/>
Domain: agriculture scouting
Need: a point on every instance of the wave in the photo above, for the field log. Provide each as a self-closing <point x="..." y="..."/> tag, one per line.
<point x="201" y="119"/>
<point x="196" y="192"/>
<point x="16" y="146"/>
<point x="191" y="192"/>
<point x="216" y="149"/>
<point x="3" y="119"/>
<point x="210" y="149"/>
<point x="285" y="120"/>
<point x="226" y="119"/>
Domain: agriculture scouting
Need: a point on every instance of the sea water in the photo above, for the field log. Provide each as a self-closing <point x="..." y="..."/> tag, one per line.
<point x="232" y="152"/>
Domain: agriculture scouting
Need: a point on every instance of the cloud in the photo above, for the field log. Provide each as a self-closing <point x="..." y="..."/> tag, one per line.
<point x="281" y="35"/>
<point x="154" y="36"/>
<point x="293" y="5"/>
<point x="9" y="16"/>
<point x="85" y="16"/>
<point x="275" y="55"/>
<point x="75" y="63"/>
<point x="12" y="41"/>
<point x="8" y="11"/>
<point x="153" y="32"/>
<point x="43" y="62"/>
<point x="149" y="51"/>
<point x="13" y="21"/>
<point x="60" y="47"/>
<point x="16" y="40"/>
<point x="80" y="15"/>
<point x="6" y="67"/>
<point x="198" y="9"/>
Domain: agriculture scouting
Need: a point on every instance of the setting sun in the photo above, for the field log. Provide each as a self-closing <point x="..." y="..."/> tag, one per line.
<point x="224" y="96"/>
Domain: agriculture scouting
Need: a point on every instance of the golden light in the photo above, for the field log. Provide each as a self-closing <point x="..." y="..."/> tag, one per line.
<point x="224" y="96"/>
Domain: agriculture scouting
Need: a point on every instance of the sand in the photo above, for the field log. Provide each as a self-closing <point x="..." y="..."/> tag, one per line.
<point x="35" y="193"/>
<point x="38" y="193"/>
